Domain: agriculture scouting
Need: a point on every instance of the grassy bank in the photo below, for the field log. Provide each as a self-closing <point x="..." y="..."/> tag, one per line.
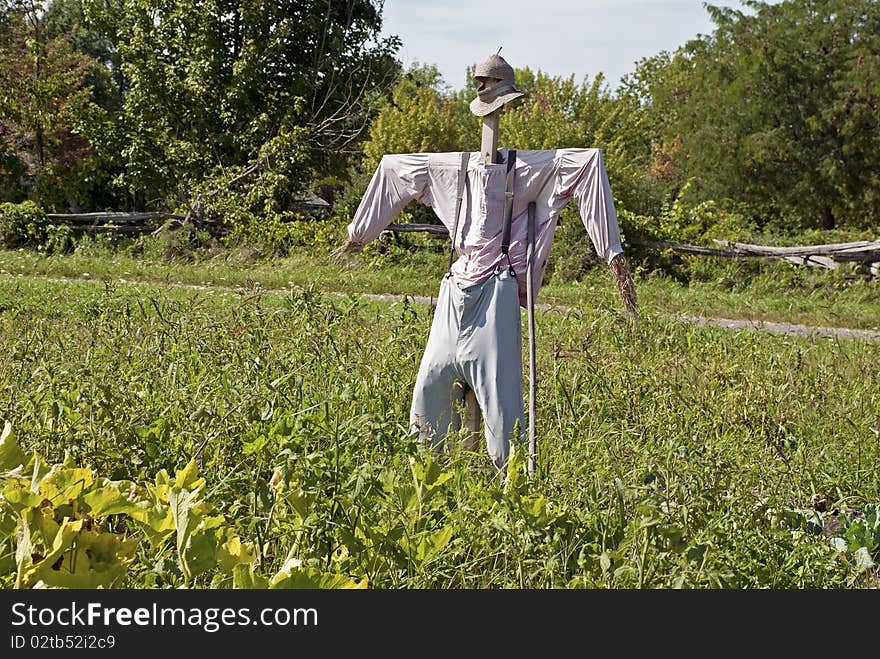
<point x="766" y="291"/>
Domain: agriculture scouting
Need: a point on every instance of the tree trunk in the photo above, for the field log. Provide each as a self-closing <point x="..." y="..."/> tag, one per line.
<point x="38" y="128"/>
<point x="41" y="150"/>
<point x="488" y="154"/>
<point x="828" y="222"/>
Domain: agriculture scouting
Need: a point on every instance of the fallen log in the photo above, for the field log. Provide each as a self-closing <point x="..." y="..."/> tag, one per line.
<point x="112" y="228"/>
<point x="433" y="229"/>
<point x="863" y="250"/>
<point x="110" y="216"/>
<point x="826" y="256"/>
<point x="688" y="249"/>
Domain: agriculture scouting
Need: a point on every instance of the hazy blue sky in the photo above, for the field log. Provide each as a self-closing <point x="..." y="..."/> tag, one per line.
<point x="555" y="36"/>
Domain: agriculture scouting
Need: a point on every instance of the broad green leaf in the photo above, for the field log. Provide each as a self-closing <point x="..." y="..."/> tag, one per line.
<point x="30" y="571"/>
<point x="42" y="523"/>
<point x="162" y="480"/>
<point x="8" y="522"/>
<point x="428" y="478"/>
<point x="516" y="472"/>
<point x="233" y="553"/>
<point x="65" y="482"/>
<point x="20" y="498"/>
<point x="188" y="477"/>
<point x="299" y="501"/>
<point x="243" y="577"/>
<point x="96" y="560"/>
<point x="538" y="510"/>
<point x="11" y="456"/>
<point x="201" y="549"/>
<point x="181" y="502"/>
<point x="199" y="554"/>
<point x="7" y="568"/>
<point x="436" y="542"/>
<point x="154" y="511"/>
<point x="428" y="473"/>
<point x="113" y="498"/>
<point x="156" y="522"/>
<point x="293" y="576"/>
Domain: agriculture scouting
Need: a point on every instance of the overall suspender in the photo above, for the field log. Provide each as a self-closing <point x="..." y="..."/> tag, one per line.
<point x="508" y="209"/>
<point x="462" y="177"/>
<point x="508" y="206"/>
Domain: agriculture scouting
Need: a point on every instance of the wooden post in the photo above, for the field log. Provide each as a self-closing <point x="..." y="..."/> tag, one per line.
<point x="473" y="418"/>
<point x="489" y="143"/>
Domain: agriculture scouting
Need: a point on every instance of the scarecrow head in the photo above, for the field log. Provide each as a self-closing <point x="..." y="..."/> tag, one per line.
<point x="496" y="88"/>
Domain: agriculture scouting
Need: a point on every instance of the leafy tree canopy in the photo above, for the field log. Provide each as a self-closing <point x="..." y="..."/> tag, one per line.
<point x="777" y="108"/>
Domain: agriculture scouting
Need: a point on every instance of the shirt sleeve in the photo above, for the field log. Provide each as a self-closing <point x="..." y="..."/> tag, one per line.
<point x="398" y="180"/>
<point x="582" y="177"/>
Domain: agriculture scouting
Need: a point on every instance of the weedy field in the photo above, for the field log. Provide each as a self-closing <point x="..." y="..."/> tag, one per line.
<point x="158" y="437"/>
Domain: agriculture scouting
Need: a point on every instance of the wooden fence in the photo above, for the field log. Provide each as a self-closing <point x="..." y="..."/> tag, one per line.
<point x="111" y="222"/>
<point x="827" y="256"/>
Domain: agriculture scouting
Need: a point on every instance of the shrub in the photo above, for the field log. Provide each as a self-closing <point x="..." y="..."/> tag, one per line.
<point x="572" y="254"/>
<point x="280" y="233"/>
<point x="59" y="239"/>
<point x="22" y="224"/>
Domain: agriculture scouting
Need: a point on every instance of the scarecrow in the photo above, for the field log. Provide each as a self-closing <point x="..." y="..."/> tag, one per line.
<point x="501" y="208"/>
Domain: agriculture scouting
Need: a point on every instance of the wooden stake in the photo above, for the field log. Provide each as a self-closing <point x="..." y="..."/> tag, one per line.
<point x="488" y="154"/>
<point x="473" y="419"/>
<point x="489" y="143"/>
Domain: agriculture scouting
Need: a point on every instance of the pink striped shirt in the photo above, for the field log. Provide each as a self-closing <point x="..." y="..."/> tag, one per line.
<point x="549" y="177"/>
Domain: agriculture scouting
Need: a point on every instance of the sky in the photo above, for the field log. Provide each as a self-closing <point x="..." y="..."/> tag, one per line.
<point x="558" y="37"/>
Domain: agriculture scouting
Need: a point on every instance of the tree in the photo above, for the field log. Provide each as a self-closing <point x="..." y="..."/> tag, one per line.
<point x="46" y="96"/>
<point x="778" y="108"/>
<point x="556" y="112"/>
<point x="211" y="87"/>
<point x="420" y="117"/>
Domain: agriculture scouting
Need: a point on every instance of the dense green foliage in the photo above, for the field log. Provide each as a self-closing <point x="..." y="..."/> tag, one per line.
<point x="778" y="108"/>
<point x="769" y="124"/>
<point x="45" y="100"/>
<point x="419" y="117"/>
<point x="22" y="224"/>
<point x="194" y="93"/>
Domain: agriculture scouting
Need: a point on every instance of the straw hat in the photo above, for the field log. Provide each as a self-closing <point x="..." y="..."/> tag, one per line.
<point x="496" y="86"/>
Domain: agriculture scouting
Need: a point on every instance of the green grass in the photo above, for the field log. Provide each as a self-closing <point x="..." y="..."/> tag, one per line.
<point x="738" y="289"/>
<point x="670" y="455"/>
<point x="238" y="267"/>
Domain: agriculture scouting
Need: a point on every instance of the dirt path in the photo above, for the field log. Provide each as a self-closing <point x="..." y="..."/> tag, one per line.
<point x="783" y="328"/>
<point x="792" y="329"/>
